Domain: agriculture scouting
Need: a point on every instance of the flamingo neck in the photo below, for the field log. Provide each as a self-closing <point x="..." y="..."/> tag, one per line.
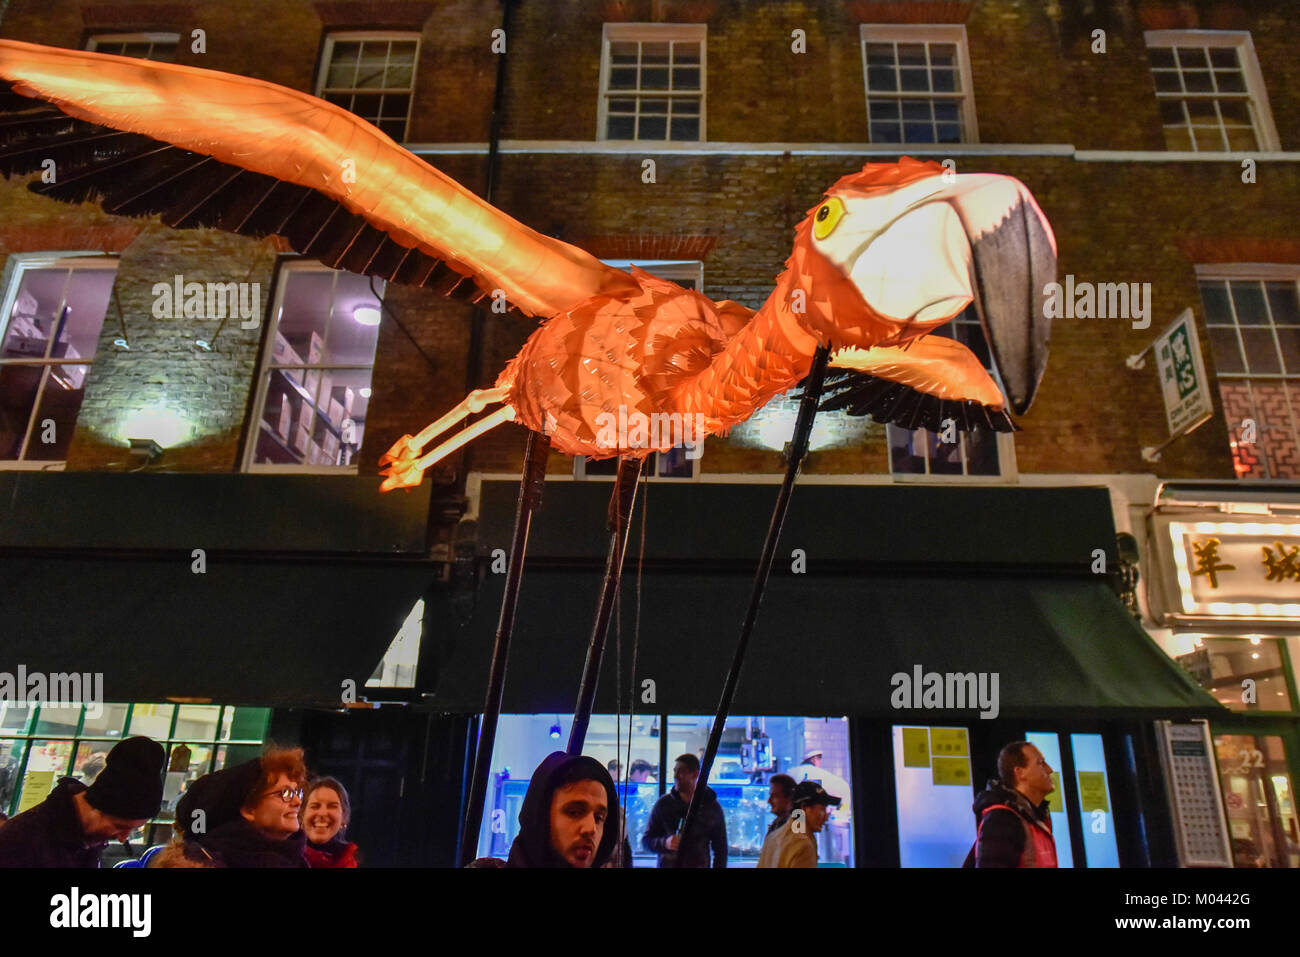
<point x="771" y="354"/>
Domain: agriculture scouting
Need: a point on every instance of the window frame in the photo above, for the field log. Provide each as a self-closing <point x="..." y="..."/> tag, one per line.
<point x="1256" y="89"/>
<point x="147" y="36"/>
<point x="265" y="368"/>
<point x="674" y="270"/>
<point x="29" y="734"/>
<point x="1008" y="470"/>
<point x="327" y="53"/>
<point x="10" y="280"/>
<point x="654" y="33"/>
<point x="954" y="33"/>
<point x="1257" y="273"/>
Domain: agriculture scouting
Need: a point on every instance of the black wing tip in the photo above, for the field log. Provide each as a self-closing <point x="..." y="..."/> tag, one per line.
<point x="860" y="394"/>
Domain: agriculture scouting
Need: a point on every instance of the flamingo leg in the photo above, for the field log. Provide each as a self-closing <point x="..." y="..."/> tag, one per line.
<point x="476" y="401"/>
<point x="407" y="471"/>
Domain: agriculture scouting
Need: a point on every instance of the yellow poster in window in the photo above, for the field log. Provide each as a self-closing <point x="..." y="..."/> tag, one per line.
<point x="37" y="786"/>
<point x="1092" y="792"/>
<point x="916" y="747"/>
<point x="949" y="741"/>
<point x="1055" y="803"/>
<point x="951" y="770"/>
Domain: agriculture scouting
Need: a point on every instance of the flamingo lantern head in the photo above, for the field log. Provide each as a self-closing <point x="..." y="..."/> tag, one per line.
<point x="898" y="249"/>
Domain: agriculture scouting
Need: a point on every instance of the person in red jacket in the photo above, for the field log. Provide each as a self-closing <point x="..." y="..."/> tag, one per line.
<point x="326" y="811"/>
<point x="1013" y="823"/>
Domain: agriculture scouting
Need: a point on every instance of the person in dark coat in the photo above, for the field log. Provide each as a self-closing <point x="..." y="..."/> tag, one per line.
<point x="566" y="819"/>
<point x="71" y="826"/>
<point x="326" y="811"/>
<point x="247" y="815"/>
<point x="1013" y="821"/>
<point x="708" y="832"/>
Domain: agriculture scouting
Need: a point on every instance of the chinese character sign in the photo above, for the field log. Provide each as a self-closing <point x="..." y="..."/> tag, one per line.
<point x="1238" y="570"/>
<point x="1182" y="376"/>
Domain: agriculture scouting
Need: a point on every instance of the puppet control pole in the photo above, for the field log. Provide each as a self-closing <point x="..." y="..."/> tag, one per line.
<point x="530" y="496"/>
<point x="812" y="393"/>
<point x="621" y="501"/>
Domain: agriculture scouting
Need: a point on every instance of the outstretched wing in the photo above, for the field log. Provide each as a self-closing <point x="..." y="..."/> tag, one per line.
<point x="920" y="385"/>
<point x="204" y="148"/>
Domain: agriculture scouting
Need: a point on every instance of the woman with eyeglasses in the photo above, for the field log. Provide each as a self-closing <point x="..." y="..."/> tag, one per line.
<point x="325" y="815"/>
<point x="247" y="816"/>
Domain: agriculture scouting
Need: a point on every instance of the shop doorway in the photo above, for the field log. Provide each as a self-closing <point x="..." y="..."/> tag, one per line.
<point x="1259" y="799"/>
<point x="404" y="771"/>
<point x="939" y="768"/>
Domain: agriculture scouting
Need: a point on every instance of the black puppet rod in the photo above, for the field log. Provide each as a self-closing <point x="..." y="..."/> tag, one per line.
<point x="812" y="392"/>
<point x="530" y="495"/>
<point x="621" y="501"/>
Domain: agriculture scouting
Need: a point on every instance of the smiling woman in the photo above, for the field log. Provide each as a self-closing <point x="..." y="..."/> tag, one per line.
<point x="247" y="816"/>
<point x="326" y="812"/>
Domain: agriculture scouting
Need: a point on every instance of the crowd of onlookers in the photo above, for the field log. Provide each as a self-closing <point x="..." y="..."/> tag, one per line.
<point x="267" y="812"/>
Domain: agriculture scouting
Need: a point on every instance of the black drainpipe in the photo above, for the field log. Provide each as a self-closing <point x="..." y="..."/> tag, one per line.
<point x="474" y="360"/>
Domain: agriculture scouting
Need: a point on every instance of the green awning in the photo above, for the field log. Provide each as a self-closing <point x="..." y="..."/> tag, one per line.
<point x="264" y="631"/>
<point x="824" y="644"/>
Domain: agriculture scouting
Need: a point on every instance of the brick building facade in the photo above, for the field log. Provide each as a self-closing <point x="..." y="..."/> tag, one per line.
<point x="1079" y="116"/>
<point x="782" y="126"/>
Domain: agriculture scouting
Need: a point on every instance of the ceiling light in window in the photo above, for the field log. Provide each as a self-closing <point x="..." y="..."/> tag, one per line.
<point x="366" y="315"/>
<point x="365" y="392"/>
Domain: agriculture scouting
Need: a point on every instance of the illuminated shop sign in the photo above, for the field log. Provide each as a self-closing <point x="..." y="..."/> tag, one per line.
<point x="1237" y="569"/>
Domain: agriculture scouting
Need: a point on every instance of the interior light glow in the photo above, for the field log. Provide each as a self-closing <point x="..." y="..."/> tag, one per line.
<point x="366" y="315"/>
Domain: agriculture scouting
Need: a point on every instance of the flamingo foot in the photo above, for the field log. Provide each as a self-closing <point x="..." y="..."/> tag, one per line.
<point x="406" y="467"/>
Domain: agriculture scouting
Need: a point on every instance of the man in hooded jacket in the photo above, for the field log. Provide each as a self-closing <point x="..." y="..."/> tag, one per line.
<point x="567" y="816"/>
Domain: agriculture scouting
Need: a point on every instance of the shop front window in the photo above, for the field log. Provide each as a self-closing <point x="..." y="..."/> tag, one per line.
<point x="630" y="752"/>
<point x="1259" y="799"/>
<point x="1049" y="743"/>
<point x="1095" y="808"/>
<point x="932" y="784"/>
<point x="39" y="744"/>
<point x="752" y="750"/>
<point x="1244" y="674"/>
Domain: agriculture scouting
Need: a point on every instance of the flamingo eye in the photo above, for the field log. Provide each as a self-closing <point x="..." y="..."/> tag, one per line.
<point x="827" y="217"/>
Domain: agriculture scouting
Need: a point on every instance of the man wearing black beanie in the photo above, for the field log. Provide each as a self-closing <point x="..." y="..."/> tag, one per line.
<point x="71" y="826"/>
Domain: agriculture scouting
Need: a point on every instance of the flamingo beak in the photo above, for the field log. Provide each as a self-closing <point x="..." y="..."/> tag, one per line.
<point x="1012" y="258"/>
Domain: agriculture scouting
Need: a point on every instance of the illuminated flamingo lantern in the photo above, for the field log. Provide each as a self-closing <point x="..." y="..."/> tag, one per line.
<point x="890" y="254"/>
<point x="893" y="252"/>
